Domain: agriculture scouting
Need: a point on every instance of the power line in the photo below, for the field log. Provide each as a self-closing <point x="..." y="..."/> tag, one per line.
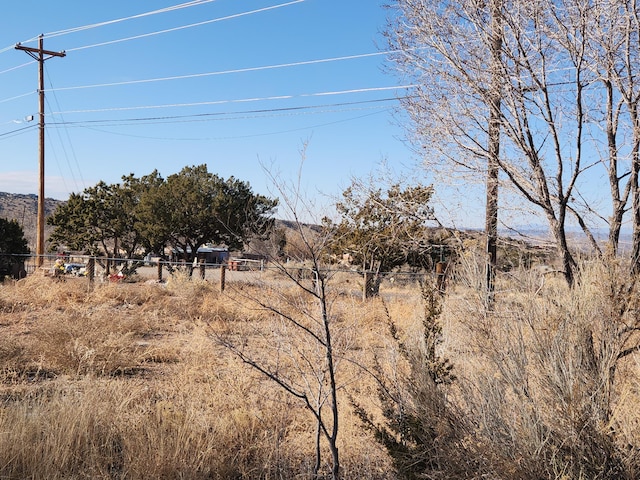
<point x="111" y="22"/>
<point x="206" y="74"/>
<point x="55" y="156"/>
<point x="235" y="136"/>
<point x="64" y="149"/>
<point x="206" y="116"/>
<point x="135" y="37"/>
<point x="243" y="114"/>
<point x="17" y="67"/>
<point x="144" y="35"/>
<point x="244" y="100"/>
<point x="17" y="96"/>
<point x="226" y="72"/>
<point x="132" y="17"/>
<point x="18" y="130"/>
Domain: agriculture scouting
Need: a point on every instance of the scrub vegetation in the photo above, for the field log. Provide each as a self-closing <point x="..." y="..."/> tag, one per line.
<point x="130" y="380"/>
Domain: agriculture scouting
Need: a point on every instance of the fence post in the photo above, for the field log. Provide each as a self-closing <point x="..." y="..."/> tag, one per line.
<point x="368" y="279"/>
<point x="203" y="267"/>
<point x="441" y="272"/>
<point x="223" y="271"/>
<point x="315" y="280"/>
<point x="91" y="270"/>
<point x="159" y="270"/>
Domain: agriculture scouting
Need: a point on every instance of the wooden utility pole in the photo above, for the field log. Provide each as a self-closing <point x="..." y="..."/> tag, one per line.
<point x="40" y="55"/>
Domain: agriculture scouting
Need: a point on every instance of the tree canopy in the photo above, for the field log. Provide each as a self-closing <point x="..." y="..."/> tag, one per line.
<point x="147" y="214"/>
<point x="101" y="220"/>
<point x="12" y="242"/>
<point x="383" y="229"/>
<point x="559" y="80"/>
<point x="12" y="237"/>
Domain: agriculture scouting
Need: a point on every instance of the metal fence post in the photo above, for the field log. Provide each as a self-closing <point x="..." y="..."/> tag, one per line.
<point x="223" y="271"/>
<point x="441" y="272"/>
<point x="368" y="279"/>
<point x="91" y="270"/>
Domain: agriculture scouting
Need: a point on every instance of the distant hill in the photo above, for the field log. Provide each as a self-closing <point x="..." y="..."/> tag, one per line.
<point x="24" y="209"/>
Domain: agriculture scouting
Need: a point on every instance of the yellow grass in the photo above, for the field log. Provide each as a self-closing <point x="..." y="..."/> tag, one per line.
<point x="127" y="381"/>
<point x="130" y="381"/>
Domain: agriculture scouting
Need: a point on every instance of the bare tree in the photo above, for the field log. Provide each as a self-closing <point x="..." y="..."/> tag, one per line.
<point x="617" y="45"/>
<point x="301" y="355"/>
<point x="558" y="62"/>
<point x="493" y="168"/>
<point x="604" y="50"/>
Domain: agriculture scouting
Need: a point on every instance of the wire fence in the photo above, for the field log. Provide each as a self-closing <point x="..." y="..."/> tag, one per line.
<point x="105" y="269"/>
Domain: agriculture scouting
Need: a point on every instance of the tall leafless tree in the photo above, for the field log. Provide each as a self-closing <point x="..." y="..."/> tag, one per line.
<point x="493" y="168"/>
<point x="561" y="64"/>
<point x="619" y="24"/>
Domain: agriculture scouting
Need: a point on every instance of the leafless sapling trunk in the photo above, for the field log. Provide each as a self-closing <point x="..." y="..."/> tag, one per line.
<point x="493" y="167"/>
<point x="301" y="355"/>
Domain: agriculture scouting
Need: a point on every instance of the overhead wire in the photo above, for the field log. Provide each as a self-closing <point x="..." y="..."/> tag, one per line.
<point x="174" y="29"/>
<point x="18" y="131"/>
<point x="243" y="100"/>
<point x="206" y="116"/>
<point x="154" y="12"/>
<point x="82" y="28"/>
<point x="168" y="9"/>
<point x="30" y="62"/>
<point x="206" y="74"/>
<point x="70" y="143"/>
<point x="55" y="156"/>
<point x="131" y="17"/>
<point x="229" y="137"/>
<point x="11" y="47"/>
<point x="257" y="113"/>
<point x="17" y="96"/>
<point x="226" y="72"/>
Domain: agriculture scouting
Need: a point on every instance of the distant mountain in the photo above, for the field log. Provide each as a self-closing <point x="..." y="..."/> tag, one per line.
<point x="24" y="209"/>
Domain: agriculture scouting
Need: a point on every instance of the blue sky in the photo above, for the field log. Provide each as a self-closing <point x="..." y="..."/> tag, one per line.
<point x="259" y="79"/>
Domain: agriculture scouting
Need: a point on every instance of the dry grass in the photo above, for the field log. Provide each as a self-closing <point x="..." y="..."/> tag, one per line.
<point x="550" y="378"/>
<point x="127" y="380"/>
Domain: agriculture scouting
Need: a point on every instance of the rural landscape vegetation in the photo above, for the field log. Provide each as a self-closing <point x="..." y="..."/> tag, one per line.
<point x="379" y="343"/>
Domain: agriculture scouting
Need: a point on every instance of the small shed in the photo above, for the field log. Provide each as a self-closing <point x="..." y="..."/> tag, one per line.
<point x="215" y="255"/>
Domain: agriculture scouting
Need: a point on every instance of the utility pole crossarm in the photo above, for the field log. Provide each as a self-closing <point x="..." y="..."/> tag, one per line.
<point x="39" y="51"/>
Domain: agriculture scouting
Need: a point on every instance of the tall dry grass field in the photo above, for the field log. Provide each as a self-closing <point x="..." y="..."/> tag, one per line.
<point x="131" y="381"/>
<point x="127" y="381"/>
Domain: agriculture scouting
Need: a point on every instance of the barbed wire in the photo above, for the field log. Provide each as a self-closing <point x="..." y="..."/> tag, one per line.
<point x="244" y="264"/>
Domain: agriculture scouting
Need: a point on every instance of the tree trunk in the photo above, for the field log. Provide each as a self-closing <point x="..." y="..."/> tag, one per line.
<point x="618" y="201"/>
<point x="567" y="260"/>
<point x="491" y="216"/>
<point x="635" y="193"/>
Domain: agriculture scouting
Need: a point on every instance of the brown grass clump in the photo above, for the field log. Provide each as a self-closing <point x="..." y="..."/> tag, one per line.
<point x="546" y="376"/>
